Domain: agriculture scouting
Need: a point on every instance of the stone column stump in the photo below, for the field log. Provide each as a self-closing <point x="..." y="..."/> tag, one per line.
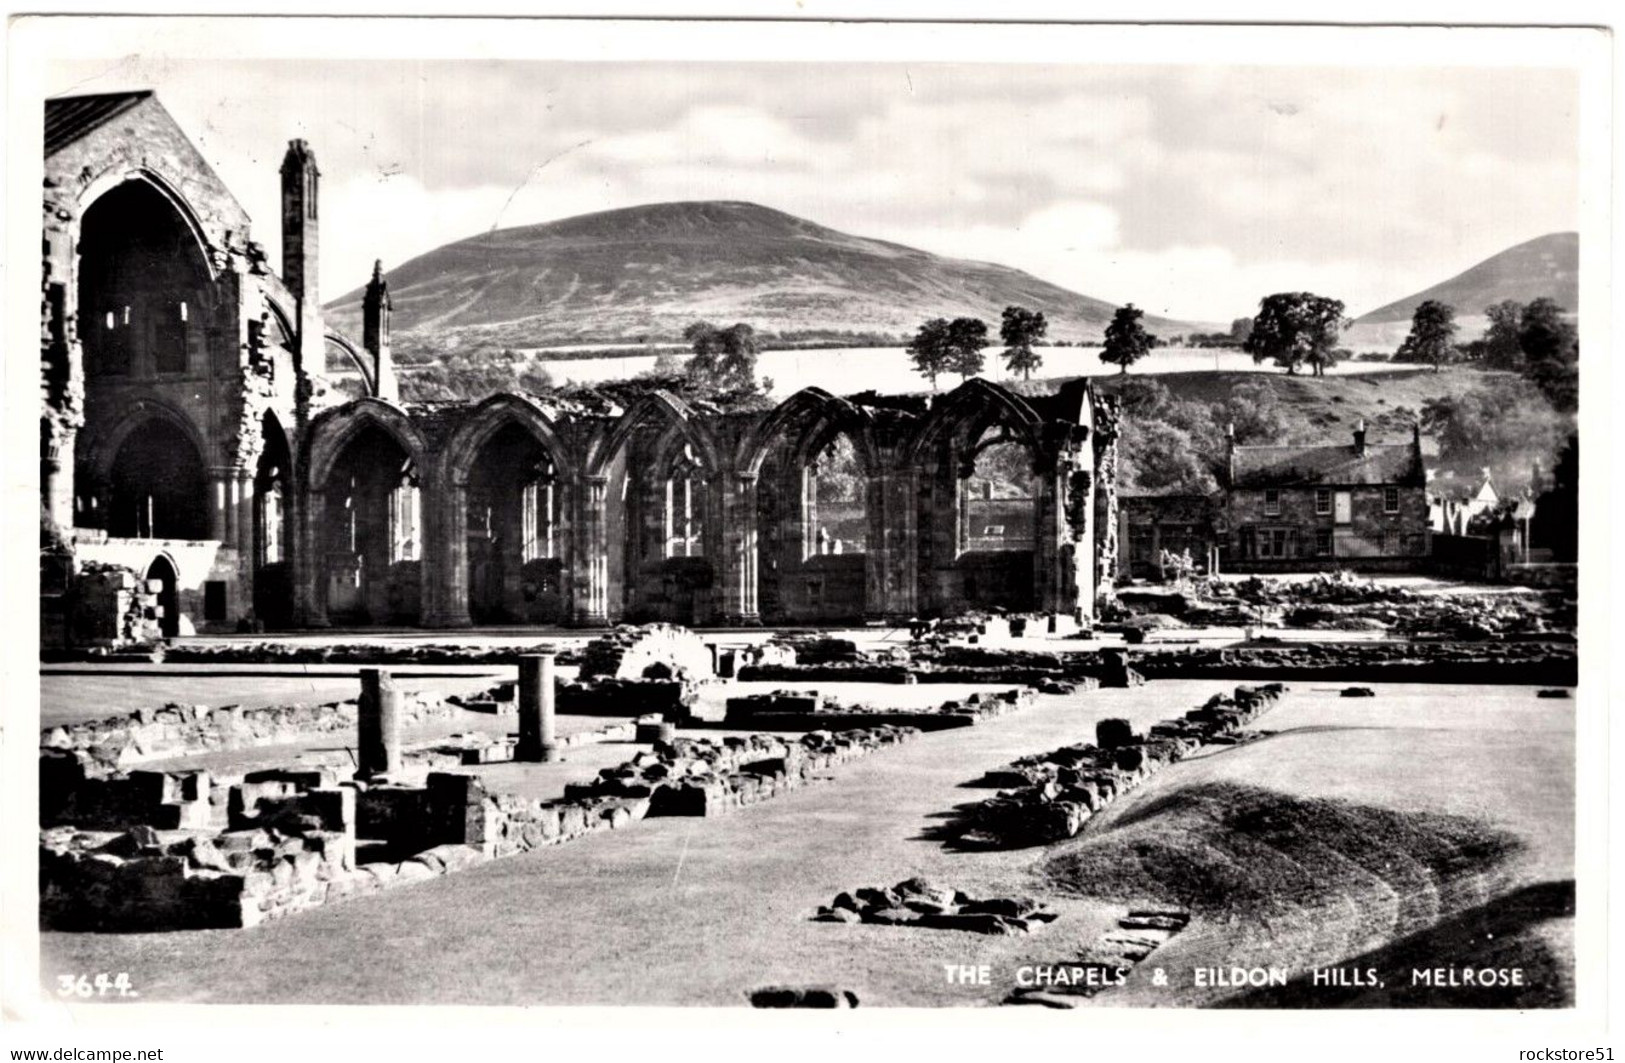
<point x="537" y="742"/>
<point x="378" y="723"/>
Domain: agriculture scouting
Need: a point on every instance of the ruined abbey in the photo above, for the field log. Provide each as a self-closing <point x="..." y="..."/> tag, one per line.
<point x="200" y="472"/>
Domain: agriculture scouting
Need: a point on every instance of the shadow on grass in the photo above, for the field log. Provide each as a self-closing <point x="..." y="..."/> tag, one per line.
<point x="1497" y="935"/>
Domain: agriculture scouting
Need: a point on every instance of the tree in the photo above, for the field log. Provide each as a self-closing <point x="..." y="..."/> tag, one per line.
<point x="1253" y="412"/>
<point x="1551" y="350"/>
<point x="966" y="338"/>
<point x="1127" y="341"/>
<point x="1295" y="329"/>
<point x="1020" y="330"/>
<point x="1500" y="348"/>
<point x="1433" y="331"/>
<point x="1503" y="426"/>
<point x="737" y="369"/>
<point x="702" y="335"/>
<point x="928" y="350"/>
<point x="1241" y="328"/>
<point x="724" y="360"/>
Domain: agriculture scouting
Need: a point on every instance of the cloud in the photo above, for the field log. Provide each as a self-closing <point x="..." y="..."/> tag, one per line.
<point x="1190" y="190"/>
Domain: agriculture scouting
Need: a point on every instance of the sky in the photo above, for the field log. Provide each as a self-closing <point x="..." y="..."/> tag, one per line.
<point x="1191" y="191"/>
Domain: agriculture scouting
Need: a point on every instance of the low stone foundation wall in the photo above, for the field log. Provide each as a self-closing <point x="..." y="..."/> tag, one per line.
<point x="672" y="698"/>
<point x="1540" y="663"/>
<point x="69" y="793"/>
<point x="462" y="750"/>
<point x="363" y="653"/>
<point x="705" y="777"/>
<point x="181" y="730"/>
<point x="1056" y="793"/>
<point x="809" y="710"/>
<point x="291" y="837"/>
<point x="291" y="850"/>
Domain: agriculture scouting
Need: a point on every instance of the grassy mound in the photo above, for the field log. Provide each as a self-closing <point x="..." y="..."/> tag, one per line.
<point x="1306" y="882"/>
<point x="1230" y="850"/>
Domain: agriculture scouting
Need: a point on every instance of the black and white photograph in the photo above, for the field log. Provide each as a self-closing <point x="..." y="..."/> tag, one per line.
<point x="810" y="515"/>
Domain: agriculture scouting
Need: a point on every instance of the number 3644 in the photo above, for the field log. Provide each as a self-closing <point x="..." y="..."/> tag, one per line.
<point x="99" y="985"/>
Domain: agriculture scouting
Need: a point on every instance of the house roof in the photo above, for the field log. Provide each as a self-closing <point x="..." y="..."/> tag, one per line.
<point x="1300" y="466"/>
<point x="70" y="117"/>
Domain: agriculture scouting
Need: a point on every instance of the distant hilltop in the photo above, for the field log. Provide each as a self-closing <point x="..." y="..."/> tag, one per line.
<point x="643" y="273"/>
<point x="1547" y="266"/>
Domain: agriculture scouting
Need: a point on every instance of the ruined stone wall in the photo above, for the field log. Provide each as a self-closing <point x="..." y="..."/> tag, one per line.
<point x="180" y="730"/>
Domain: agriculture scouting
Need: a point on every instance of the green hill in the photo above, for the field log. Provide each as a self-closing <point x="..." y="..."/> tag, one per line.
<point x="645" y="272"/>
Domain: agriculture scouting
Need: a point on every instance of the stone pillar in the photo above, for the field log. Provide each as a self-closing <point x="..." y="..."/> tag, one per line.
<point x="740" y="576"/>
<point x="592" y="608"/>
<point x="378" y="725"/>
<point x="56" y="478"/>
<point x="307" y="557"/>
<point x="537" y="743"/>
<point x="445" y="556"/>
<point x="243" y="492"/>
<point x="891" y="567"/>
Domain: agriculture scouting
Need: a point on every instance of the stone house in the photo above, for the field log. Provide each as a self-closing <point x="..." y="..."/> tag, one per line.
<point x="1361" y="506"/>
<point x="189" y="435"/>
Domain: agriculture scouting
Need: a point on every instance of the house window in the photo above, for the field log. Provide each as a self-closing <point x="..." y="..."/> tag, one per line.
<point x="1390" y="500"/>
<point x="1323" y="501"/>
<point x="1274" y="543"/>
<point x="1323" y="542"/>
<point x="1272" y="502"/>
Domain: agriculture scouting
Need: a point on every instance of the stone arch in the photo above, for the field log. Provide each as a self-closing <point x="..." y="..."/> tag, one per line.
<point x="150" y="477"/>
<point x="970" y="409"/>
<point x="489" y="418"/>
<point x="114" y="178"/>
<point x="651" y="408"/>
<point x="369" y="379"/>
<point x="334" y="429"/>
<point x="804" y="417"/>
<point x="103" y="446"/>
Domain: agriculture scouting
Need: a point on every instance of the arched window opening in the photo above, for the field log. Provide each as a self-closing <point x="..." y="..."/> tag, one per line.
<point x="835" y="511"/>
<point x="514" y="533"/>
<point x="270" y="495"/>
<point x="158" y="488"/>
<point x="996" y="492"/>
<point x="142" y="279"/>
<point x="373" y="529"/>
<point x="685" y="506"/>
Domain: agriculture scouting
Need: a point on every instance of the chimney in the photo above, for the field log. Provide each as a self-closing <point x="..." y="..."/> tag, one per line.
<point x="1359" y="437"/>
<point x="375" y="308"/>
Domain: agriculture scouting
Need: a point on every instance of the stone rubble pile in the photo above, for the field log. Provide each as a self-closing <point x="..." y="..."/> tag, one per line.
<point x="802" y="710"/>
<point x="704" y="777"/>
<point x="812" y="996"/>
<point x="1054" y="794"/>
<point x="919" y="902"/>
<point x="286" y="851"/>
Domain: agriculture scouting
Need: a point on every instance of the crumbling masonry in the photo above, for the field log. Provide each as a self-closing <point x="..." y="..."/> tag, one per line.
<point x="188" y="435"/>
